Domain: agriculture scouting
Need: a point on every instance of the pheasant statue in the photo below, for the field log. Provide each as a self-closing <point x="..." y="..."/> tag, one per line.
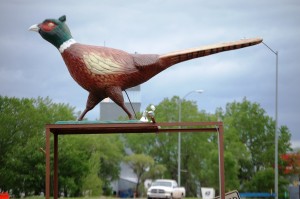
<point x="106" y="72"/>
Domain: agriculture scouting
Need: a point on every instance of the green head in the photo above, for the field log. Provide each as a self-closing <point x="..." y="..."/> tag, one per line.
<point x="54" y="31"/>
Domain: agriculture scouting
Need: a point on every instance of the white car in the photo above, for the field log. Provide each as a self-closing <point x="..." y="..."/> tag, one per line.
<point x="165" y="189"/>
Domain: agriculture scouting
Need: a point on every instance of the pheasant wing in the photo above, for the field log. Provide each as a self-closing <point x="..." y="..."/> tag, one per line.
<point x="108" y="61"/>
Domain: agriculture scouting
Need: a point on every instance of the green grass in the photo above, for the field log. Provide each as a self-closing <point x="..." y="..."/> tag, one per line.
<point x="93" y="197"/>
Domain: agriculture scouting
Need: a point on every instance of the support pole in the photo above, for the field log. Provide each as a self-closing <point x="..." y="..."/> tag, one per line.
<point x="47" y="179"/>
<point x="55" y="183"/>
<point x="276" y="129"/>
<point x="221" y="161"/>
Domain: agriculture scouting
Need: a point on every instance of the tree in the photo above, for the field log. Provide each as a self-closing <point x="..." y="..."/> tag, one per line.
<point x="112" y="153"/>
<point x="140" y="164"/>
<point x="73" y="165"/>
<point x="24" y="169"/>
<point x="249" y="123"/>
<point x="290" y="164"/>
<point x="210" y="171"/>
<point x="155" y="172"/>
<point x="89" y="163"/>
<point x="22" y="135"/>
<point x="263" y="181"/>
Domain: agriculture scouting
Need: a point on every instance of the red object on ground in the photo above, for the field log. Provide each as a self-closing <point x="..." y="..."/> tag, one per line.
<point x="4" y="195"/>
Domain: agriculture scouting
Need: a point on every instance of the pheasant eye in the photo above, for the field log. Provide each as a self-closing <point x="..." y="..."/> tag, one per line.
<point x="48" y="26"/>
<point x="51" y="24"/>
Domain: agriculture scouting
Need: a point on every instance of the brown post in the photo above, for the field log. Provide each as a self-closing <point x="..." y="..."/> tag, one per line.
<point x="55" y="177"/>
<point x="47" y="179"/>
<point x="221" y="161"/>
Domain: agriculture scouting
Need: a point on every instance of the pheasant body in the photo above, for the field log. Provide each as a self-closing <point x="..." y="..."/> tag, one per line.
<point x="106" y="72"/>
<point x="96" y="68"/>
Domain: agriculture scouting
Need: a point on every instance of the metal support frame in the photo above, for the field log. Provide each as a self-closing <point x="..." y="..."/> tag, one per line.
<point x="113" y="128"/>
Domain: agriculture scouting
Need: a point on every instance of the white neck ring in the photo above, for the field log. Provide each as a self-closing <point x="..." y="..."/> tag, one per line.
<point x="66" y="45"/>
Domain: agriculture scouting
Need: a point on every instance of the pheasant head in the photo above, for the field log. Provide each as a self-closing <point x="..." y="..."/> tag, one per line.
<point x="54" y="31"/>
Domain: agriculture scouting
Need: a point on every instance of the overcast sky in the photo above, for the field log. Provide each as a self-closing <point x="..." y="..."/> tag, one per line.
<point x="31" y="67"/>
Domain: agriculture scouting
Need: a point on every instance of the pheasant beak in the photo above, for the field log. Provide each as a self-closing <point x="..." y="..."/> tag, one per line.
<point x="34" y="28"/>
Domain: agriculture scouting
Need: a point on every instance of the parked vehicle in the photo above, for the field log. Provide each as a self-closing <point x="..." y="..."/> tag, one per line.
<point x="165" y="189"/>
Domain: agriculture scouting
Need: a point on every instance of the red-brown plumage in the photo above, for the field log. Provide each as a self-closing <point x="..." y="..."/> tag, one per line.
<point x="133" y="68"/>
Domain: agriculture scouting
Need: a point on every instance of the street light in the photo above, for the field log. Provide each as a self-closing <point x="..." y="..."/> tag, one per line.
<point x="179" y="134"/>
<point x="276" y="122"/>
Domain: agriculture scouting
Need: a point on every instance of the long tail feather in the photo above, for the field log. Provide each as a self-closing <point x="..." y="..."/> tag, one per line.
<point x="184" y="55"/>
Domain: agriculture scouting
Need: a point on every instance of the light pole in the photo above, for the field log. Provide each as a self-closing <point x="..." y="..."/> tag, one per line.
<point x="179" y="134"/>
<point x="276" y="122"/>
